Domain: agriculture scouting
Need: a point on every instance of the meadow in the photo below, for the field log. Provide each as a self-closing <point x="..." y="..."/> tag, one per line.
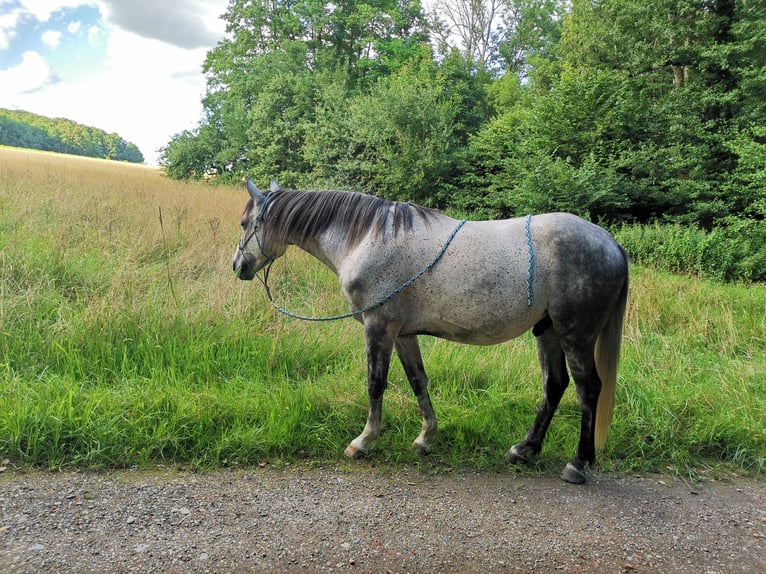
<point x="125" y="340"/>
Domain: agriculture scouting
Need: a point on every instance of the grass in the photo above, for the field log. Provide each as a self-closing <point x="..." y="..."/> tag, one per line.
<point x="125" y="340"/>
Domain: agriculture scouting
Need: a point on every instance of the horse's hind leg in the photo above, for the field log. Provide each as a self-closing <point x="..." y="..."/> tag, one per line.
<point x="583" y="367"/>
<point x="409" y="354"/>
<point x="555" y="381"/>
<point x="380" y="345"/>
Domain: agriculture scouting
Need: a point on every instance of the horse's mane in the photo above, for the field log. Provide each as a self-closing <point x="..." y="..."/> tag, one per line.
<point x="296" y="216"/>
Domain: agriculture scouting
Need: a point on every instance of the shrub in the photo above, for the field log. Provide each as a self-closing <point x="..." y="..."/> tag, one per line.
<point x="733" y="251"/>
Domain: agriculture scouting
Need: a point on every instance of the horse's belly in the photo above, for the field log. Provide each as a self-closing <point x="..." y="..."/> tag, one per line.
<point x="488" y="306"/>
<point x="474" y="330"/>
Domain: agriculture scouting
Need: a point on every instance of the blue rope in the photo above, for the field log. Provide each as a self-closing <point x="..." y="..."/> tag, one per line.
<point x="531" y="266"/>
<point x="380" y="301"/>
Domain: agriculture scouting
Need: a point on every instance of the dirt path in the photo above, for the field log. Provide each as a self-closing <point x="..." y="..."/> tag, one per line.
<point x="361" y="520"/>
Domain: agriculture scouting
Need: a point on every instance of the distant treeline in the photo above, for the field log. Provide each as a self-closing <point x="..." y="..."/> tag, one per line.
<point x="27" y="130"/>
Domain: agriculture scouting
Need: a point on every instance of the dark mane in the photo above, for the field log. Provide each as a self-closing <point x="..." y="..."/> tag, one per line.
<point x="295" y="216"/>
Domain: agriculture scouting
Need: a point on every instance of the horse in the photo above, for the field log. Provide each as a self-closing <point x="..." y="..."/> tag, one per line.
<point x="407" y="270"/>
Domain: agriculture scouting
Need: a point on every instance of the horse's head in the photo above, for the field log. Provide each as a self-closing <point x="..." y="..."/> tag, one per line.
<point x="253" y="253"/>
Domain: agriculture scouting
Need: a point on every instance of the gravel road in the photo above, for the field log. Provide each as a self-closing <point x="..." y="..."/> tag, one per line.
<point x="362" y="519"/>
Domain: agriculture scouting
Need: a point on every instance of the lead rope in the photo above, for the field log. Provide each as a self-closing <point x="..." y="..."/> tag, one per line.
<point x="374" y="305"/>
<point x="531" y="264"/>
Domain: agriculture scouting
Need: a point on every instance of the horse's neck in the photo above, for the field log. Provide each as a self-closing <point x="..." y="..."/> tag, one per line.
<point x="328" y="247"/>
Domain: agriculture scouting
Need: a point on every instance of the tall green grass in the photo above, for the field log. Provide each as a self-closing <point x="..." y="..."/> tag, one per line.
<point x="127" y="341"/>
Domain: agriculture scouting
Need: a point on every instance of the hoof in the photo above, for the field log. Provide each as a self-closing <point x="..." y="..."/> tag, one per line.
<point x="354" y="452"/>
<point x="574" y="475"/>
<point x="421" y="448"/>
<point x="517" y="456"/>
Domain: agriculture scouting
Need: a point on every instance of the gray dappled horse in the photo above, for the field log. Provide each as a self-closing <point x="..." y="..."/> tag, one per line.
<point x="491" y="281"/>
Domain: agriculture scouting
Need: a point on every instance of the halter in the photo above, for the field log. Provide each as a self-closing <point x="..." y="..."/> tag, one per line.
<point x="243" y="242"/>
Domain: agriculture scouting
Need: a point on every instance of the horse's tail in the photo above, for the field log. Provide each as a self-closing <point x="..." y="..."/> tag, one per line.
<point x="607" y="358"/>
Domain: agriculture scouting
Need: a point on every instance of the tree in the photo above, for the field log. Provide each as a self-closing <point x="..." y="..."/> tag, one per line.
<point x="501" y="36"/>
<point x="396" y="141"/>
<point x="265" y="80"/>
<point x="529" y="44"/>
<point x="185" y="157"/>
<point x="471" y="26"/>
<point x="651" y="114"/>
<point x="23" y="129"/>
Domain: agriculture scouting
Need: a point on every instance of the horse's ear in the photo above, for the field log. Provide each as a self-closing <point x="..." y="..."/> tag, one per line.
<point x="253" y="191"/>
<point x="274" y="185"/>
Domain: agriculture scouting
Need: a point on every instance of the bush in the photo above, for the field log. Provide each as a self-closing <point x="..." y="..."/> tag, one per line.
<point x="733" y="251"/>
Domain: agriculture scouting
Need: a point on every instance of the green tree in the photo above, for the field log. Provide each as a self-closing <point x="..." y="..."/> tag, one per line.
<point x="530" y="38"/>
<point x="395" y="141"/>
<point x="24" y="129"/>
<point x="651" y="114"/>
<point x="265" y="79"/>
<point x="185" y="157"/>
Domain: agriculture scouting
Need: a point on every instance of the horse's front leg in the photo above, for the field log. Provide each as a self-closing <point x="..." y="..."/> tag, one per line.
<point x="408" y="350"/>
<point x="380" y="344"/>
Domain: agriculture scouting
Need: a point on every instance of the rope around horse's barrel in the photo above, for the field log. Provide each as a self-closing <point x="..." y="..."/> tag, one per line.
<point x="531" y="263"/>
<point x="430" y="265"/>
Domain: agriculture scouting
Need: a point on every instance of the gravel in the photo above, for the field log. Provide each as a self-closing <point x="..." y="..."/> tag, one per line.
<point x="362" y="519"/>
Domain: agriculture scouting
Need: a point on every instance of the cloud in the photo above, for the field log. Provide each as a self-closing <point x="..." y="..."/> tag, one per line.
<point x="31" y="75"/>
<point x="186" y="24"/>
<point x="94" y="35"/>
<point x="8" y="23"/>
<point x="41" y="10"/>
<point x="51" y="38"/>
<point x="30" y="10"/>
<point x="141" y="76"/>
<point x="147" y="92"/>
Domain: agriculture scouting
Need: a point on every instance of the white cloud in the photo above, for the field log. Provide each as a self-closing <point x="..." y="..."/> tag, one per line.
<point x="31" y="75"/>
<point x="74" y="27"/>
<point x="51" y="38"/>
<point x="42" y="9"/>
<point x="146" y="95"/>
<point x="8" y="23"/>
<point x="94" y="35"/>
<point x="142" y="87"/>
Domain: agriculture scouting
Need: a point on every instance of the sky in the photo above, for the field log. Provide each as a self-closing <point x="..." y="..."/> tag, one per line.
<point x="133" y="67"/>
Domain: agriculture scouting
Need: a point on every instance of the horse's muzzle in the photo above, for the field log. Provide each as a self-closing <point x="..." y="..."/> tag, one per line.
<point x="242" y="267"/>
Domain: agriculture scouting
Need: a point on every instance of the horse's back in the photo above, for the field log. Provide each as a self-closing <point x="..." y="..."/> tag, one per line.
<point x="545" y="249"/>
<point x="495" y="280"/>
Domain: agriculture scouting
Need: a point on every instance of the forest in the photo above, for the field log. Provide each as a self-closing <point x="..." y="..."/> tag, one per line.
<point x="27" y="130"/>
<point x="624" y="111"/>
